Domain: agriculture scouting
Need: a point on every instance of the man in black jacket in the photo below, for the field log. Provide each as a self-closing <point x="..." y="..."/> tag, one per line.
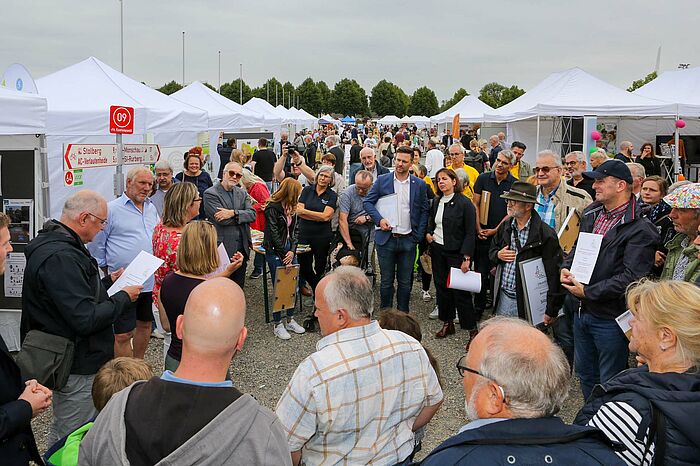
<point x="63" y="295"/>
<point x="333" y="146"/>
<point x="626" y="254"/>
<point x="522" y="238"/>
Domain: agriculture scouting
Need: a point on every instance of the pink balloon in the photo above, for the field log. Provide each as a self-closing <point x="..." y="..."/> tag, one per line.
<point x="680" y="124"/>
<point x="595" y="135"/>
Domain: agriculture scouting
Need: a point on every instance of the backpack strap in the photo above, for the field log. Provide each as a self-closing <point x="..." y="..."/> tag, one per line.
<point x="657" y="435"/>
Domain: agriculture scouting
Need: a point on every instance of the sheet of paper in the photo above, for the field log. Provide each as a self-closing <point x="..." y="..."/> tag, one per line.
<point x="14" y="274"/>
<point x="587" y="250"/>
<point x="458" y="280"/>
<point x="388" y="207"/>
<point x="224" y="261"/>
<point x="623" y="321"/>
<point x="140" y="269"/>
<point x="536" y="287"/>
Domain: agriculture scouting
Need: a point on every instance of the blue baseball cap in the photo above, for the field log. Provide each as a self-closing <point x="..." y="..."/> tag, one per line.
<point x="616" y="168"/>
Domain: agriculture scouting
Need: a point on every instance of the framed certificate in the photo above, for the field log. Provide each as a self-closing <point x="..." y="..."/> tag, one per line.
<point x="535" y="286"/>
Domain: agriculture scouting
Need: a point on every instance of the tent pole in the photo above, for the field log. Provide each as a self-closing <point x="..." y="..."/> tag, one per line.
<point x="119" y="176"/>
<point x="44" y="166"/>
<point x="676" y="153"/>
<point x="537" y="144"/>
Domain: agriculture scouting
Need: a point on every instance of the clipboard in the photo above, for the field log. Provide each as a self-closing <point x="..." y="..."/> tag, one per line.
<point x="484" y="205"/>
<point x="285" y="289"/>
<point x="568" y="233"/>
<point x="535" y="287"/>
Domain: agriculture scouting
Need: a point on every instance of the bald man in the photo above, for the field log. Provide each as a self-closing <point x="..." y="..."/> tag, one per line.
<point x="369" y="162"/>
<point x="194" y="415"/>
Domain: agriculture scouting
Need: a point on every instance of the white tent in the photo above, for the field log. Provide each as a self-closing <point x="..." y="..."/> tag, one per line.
<point x="680" y="87"/>
<point x="389" y="120"/>
<point x="270" y="112"/>
<point x="330" y="120"/>
<point x="21" y="113"/>
<point x="470" y="109"/>
<point x="79" y="98"/>
<point x="304" y="120"/>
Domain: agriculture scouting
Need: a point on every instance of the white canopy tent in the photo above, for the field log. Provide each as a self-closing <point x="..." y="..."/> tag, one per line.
<point x="681" y="87"/>
<point x="22" y="113"/>
<point x="389" y="120"/>
<point x="330" y="120"/>
<point x="470" y="109"/>
<point x="268" y="111"/>
<point x="79" y="98"/>
<point x="304" y="120"/>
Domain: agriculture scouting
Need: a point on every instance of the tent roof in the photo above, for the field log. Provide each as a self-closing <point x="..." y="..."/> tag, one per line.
<point x="307" y="114"/>
<point x="224" y="114"/>
<point x="329" y="119"/>
<point x="262" y="106"/>
<point x="470" y="110"/>
<point x="680" y="87"/>
<point x="348" y="119"/>
<point x="576" y="93"/>
<point x="80" y="95"/>
<point x="22" y="113"/>
<point x="389" y="119"/>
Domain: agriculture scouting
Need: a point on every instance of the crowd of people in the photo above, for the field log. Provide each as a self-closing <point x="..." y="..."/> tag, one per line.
<point x="416" y="202"/>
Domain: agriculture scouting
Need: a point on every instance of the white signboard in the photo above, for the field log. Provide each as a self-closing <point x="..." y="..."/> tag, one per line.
<point x="14" y="274"/>
<point x="105" y="155"/>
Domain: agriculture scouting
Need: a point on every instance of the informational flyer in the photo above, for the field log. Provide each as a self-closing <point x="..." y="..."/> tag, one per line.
<point x="14" y="274"/>
<point x="21" y="213"/>
<point x="140" y="269"/>
<point x="587" y="250"/>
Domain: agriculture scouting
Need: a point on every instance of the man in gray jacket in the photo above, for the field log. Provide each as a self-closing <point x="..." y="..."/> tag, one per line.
<point x="193" y="415"/>
<point x="230" y="209"/>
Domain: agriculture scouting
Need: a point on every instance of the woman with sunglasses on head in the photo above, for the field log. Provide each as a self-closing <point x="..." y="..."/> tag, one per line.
<point x="194" y="174"/>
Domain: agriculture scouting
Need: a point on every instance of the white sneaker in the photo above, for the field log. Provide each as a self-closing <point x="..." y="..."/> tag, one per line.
<point x="456" y="321"/>
<point x="281" y="332"/>
<point x="294" y="327"/>
<point x="435" y="314"/>
<point x="426" y="296"/>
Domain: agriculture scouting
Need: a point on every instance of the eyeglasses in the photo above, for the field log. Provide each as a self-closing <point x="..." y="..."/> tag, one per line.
<point x="234" y="174"/>
<point x="502" y="162"/>
<point x="461" y="368"/>
<point x="571" y="164"/>
<point x="199" y="199"/>
<point x="102" y="220"/>
<point x="455" y="154"/>
<point x="544" y="170"/>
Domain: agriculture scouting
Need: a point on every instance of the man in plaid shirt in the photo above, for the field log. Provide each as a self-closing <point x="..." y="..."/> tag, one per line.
<point x="365" y="391"/>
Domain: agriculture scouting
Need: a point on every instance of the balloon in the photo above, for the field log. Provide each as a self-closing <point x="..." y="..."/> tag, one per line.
<point x="595" y="135"/>
<point x="680" y="123"/>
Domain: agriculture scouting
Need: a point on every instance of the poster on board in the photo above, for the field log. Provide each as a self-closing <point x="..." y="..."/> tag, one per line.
<point x="21" y="213"/>
<point x="14" y="274"/>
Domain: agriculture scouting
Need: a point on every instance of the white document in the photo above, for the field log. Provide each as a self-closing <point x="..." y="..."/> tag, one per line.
<point x="14" y="274"/>
<point x="388" y="207"/>
<point x="535" y="285"/>
<point x="140" y="269"/>
<point x="623" y="321"/>
<point x="587" y="250"/>
<point x="458" y="280"/>
<point x="224" y="261"/>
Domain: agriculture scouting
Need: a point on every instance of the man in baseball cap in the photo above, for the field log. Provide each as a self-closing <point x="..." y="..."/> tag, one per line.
<point x="682" y="261"/>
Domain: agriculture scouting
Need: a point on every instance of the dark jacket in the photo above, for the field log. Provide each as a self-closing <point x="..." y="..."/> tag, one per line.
<point x="276" y="231"/>
<point x="353" y="171"/>
<point x="233" y="232"/>
<point x="626" y="255"/>
<point x="310" y="154"/>
<point x="541" y="242"/>
<point x="62" y="294"/>
<point x="675" y="398"/>
<point x="17" y="445"/>
<point x="339" y="158"/>
<point x="525" y="441"/>
<point x="458" y="224"/>
<point x="355" y="153"/>
<point x="652" y="165"/>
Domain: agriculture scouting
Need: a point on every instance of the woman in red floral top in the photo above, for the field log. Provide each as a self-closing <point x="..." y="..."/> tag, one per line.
<point x="257" y="190"/>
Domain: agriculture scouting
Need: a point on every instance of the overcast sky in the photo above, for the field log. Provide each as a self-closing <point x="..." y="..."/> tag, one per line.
<point x="444" y="45"/>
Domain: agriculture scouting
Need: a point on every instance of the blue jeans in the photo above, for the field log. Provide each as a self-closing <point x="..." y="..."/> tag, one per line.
<point x="272" y="263"/>
<point x="396" y="258"/>
<point x="507" y="306"/>
<point x="600" y="350"/>
<point x="258" y="262"/>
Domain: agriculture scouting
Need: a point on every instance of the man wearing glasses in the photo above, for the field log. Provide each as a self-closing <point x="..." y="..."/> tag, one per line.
<point x="515" y="380"/>
<point x="229" y="208"/>
<point x="575" y="166"/>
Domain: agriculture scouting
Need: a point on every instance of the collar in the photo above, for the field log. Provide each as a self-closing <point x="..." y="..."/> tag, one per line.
<point x="124" y="200"/>
<point x="404" y="181"/>
<point x="349" y="334"/>
<point x="514" y="223"/>
<point x="548" y="197"/>
<point x="616" y="211"/>
<point x="481" y="422"/>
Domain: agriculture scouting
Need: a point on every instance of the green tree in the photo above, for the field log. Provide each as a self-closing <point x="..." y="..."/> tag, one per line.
<point x="497" y="95"/>
<point x="458" y="95"/>
<point x="325" y="92"/>
<point x="349" y="98"/>
<point x="259" y="92"/>
<point x="387" y="98"/>
<point x="423" y="102"/>
<point x="170" y="88"/>
<point x="310" y="98"/>
<point x="209" y="86"/>
<point x="289" y="97"/>
<point x="640" y="82"/>
<point x="232" y="91"/>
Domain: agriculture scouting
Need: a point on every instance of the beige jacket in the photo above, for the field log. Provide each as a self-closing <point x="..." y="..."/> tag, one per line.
<point x="566" y="198"/>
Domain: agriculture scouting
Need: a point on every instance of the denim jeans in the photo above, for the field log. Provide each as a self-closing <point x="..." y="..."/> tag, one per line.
<point x="507" y="306"/>
<point x="272" y="263"/>
<point x="396" y="258"/>
<point x="601" y="350"/>
<point x="258" y="262"/>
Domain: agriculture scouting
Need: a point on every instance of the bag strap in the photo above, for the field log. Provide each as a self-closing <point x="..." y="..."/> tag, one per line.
<point x="657" y="435"/>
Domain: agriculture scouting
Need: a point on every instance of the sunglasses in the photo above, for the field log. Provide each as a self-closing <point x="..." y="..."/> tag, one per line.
<point x="544" y="170"/>
<point x="234" y="174"/>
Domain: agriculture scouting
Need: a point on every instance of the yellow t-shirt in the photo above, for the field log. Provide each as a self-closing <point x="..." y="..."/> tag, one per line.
<point x="473" y="174"/>
<point x="515" y="171"/>
<point x="430" y="184"/>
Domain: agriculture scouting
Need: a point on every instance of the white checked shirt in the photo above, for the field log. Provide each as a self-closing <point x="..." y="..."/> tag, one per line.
<point x="354" y="400"/>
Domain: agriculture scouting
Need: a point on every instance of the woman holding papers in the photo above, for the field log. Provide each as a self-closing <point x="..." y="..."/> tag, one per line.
<point x="452" y="235"/>
<point x="652" y="409"/>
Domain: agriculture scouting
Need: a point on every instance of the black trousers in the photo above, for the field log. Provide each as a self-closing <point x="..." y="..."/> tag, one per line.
<point x="482" y="264"/>
<point x="312" y="264"/>
<point x="447" y="299"/>
<point x="425" y="277"/>
<point x="239" y="275"/>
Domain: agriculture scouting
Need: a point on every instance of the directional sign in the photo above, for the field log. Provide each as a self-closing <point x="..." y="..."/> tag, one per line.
<point x="105" y="155"/>
<point x="121" y="120"/>
<point x="73" y="177"/>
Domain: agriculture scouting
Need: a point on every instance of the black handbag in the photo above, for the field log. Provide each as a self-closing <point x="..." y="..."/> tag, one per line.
<point x="46" y="358"/>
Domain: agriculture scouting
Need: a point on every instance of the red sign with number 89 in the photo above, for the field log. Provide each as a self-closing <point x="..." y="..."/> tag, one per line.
<point x="121" y="120"/>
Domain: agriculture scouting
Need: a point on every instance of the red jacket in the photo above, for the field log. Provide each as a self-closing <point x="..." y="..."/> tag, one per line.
<point x="261" y="195"/>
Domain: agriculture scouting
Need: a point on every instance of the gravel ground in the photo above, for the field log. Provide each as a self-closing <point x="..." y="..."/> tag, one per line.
<point x="267" y="363"/>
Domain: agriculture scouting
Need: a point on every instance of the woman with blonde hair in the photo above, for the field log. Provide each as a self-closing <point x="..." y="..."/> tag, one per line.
<point x="197" y="259"/>
<point x="237" y="155"/>
<point x="652" y="409"/>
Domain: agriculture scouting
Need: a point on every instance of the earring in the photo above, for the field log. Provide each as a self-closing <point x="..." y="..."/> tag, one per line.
<point x="662" y="348"/>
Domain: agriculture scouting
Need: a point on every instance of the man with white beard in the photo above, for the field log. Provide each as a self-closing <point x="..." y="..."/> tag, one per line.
<point x="515" y="381"/>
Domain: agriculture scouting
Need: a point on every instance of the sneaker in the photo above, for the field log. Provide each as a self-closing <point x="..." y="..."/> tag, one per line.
<point x="426" y="296"/>
<point x="434" y="315"/>
<point x="294" y="327"/>
<point x="255" y="275"/>
<point x="281" y="332"/>
<point x="456" y="321"/>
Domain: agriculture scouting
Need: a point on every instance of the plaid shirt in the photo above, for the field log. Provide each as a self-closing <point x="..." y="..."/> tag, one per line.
<point x="354" y="400"/>
<point x="545" y="206"/>
<point x="508" y="273"/>
<point x="608" y="219"/>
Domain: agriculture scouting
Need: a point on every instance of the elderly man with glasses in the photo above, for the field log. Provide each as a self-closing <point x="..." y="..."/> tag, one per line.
<point x="575" y="163"/>
<point x="515" y="381"/>
<point x="230" y="209"/>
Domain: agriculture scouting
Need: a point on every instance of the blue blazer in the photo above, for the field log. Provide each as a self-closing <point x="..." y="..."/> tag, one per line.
<point x="353" y="171"/>
<point x="418" y="205"/>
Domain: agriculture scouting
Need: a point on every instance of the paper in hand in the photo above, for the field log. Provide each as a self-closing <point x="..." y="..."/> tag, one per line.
<point x="586" y="255"/>
<point x="224" y="261"/>
<point x="623" y="321"/>
<point x="458" y="280"/>
<point x="140" y="270"/>
<point x="388" y="208"/>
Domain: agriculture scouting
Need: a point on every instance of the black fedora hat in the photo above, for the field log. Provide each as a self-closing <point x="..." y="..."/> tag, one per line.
<point x="521" y="191"/>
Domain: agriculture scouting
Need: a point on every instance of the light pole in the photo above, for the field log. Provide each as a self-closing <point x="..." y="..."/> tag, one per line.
<point x="121" y="20"/>
<point x="240" y="83"/>
<point x="183" y="58"/>
<point x="219" y="71"/>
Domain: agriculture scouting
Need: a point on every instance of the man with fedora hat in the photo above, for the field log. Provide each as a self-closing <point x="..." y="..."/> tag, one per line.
<point x="626" y="254"/>
<point x="525" y="236"/>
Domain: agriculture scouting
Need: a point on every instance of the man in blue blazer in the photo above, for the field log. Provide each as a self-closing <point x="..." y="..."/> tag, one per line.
<point x="396" y="244"/>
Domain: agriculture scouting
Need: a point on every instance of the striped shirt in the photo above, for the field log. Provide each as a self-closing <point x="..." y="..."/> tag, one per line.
<point x="355" y="400"/>
<point x="620" y="422"/>
<point x="508" y="283"/>
<point x="608" y="219"/>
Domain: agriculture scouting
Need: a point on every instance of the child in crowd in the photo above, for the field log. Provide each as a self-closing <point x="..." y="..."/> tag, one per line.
<point x="113" y="377"/>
